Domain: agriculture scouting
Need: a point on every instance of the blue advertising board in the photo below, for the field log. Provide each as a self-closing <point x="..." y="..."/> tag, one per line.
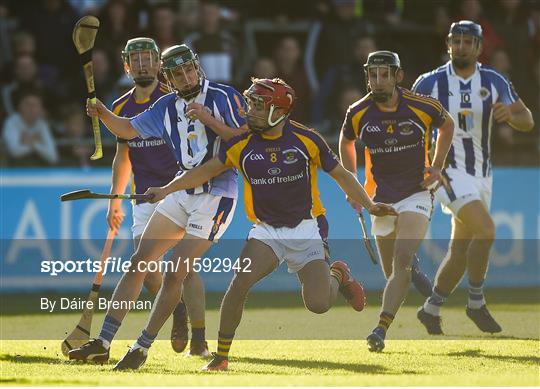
<point x="36" y="226"/>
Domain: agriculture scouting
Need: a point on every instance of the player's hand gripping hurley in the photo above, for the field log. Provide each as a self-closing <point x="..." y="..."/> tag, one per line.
<point x="84" y="35"/>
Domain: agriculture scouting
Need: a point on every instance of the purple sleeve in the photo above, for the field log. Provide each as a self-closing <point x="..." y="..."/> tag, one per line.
<point x="329" y="160"/>
<point x="347" y="127"/>
<point x="439" y="115"/>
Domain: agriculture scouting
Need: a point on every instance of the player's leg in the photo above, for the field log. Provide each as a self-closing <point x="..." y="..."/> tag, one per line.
<point x="385" y="230"/>
<point x="385" y="246"/>
<point x="411" y="228"/>
<point x="208" y="218"/>
<point x="194" y="297"/>
<point x="160" y="235"/>
<point x="319" y="286"/>
<point x="169" y="295"/>
<point x="262" y="262"/>
<point x="448" y="276"/>
<point x="167" y="299"/>
<point x="152" y="281"/>
<point x="179" y="329"/>
<point x="478" y="220"/>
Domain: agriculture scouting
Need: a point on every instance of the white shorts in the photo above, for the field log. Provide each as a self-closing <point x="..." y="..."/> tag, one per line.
<point x="203" y="215"/>
<point x="463" y="188"/>
<point x="297" y="246"/>
<point x="419" y="202"/>
<point x="141" y="215"/>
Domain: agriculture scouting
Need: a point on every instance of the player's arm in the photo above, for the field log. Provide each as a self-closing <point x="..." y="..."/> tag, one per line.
<point x="190" y="179"/>
<point x="348" y="156"/>
<point x="119" y="126"/>
<point x="444" y="141"/>
<point x="350" y="185"/>
<point x="347" y="153"/>
<point x="517" y="115"/>
<point x="121" y="172"/>
<point x="198" y="112"/>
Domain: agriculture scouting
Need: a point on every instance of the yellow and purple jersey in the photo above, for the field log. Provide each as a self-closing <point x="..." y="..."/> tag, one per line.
<point x="280" y="173"/>
<point x="396" y="143"/>
<point x="152" y="160"/>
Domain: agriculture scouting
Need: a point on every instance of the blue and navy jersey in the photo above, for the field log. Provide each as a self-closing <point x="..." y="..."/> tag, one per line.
<point x="469" y="102"/>
<point x="280" y="173"/>
<point x="396" y="143"/>
<point x="152" y="161"/>
<point x="192" y="142"/>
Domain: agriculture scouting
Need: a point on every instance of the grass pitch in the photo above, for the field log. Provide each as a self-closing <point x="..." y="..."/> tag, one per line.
<point x="280" y="344"/>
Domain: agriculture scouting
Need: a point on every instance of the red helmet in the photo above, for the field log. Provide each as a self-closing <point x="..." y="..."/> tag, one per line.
<point x="273" y="93"/>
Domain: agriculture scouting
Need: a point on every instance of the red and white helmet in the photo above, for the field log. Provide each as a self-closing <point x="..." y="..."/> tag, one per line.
<point x="272" y="94"/>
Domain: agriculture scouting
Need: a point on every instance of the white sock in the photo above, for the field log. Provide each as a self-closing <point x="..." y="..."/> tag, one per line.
<point x="136" y="345"/>
<point x="105" y="342"/>
<point x="476" y="295"/>
<point x="434" y="310"/>
<point x="434" y="302"/>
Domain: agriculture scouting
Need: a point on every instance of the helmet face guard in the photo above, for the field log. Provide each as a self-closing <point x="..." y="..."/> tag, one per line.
<point x="264" y="96"/>
<point x="181" y="69"/>
<point x="141" y="57"/>
<point x="381" y="69"/>
<point x="465" y="37"/>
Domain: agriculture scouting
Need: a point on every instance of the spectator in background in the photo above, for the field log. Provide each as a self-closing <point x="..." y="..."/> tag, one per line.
<point x="26" y="71"/>
<point x="23" y="44"/>
<point x="347" y="96"/>
<point x="216" y="46"/>
<point x="337" y="80"/>
<point x="104" y="84"/>
<point x="163" y="20"/>
<point x="87" y="7"/>
<point x="103" y="78"/>
<point x="263" y="67"/>
<point x="500" y="61"/>
<point x="27" y="134"/>
<point x="51" y="23"/>
<point x="78" y="149"/>
<point x="117" y="25"/>
<point x="511" y="21"/>
<point x="338" y="34"/>
<point x="472" y="10"/>
<point x="7" y="24"/>
<point x="288" y="58"/>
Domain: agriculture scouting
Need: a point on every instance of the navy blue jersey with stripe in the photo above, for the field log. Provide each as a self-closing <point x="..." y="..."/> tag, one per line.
<point x="469" y="102"/>
<point x="194" y="143"/>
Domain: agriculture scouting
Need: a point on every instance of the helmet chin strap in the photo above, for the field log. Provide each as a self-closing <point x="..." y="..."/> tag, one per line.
<point x="190" y="93"/>
<point x="144" y="81"/>
<point x="270" y="123"/>
<point x="383" y="97"/>
<point x="278" y="120"/>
